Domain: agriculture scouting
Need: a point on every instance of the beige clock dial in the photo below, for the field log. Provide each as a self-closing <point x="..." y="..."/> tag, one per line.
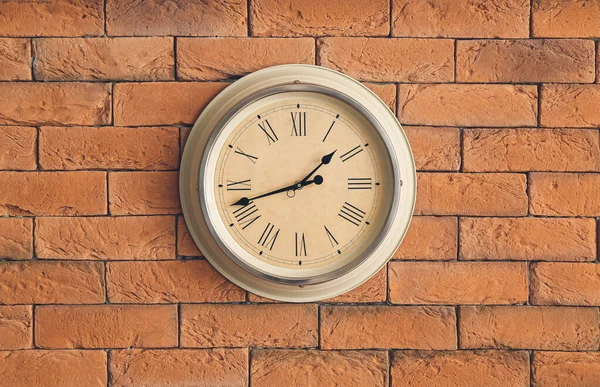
<point x="297" y="183"/>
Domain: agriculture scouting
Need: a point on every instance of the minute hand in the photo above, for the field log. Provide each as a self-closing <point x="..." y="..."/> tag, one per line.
<point x="244" y="201"/>
<point x="324" y="160"/>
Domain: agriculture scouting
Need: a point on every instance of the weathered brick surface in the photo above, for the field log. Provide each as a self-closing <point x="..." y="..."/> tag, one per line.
<point x="458" y="282"/>
<point x="434" y="149"/>
<point x="109" y="147"/>
<point x="564" y="19"/>
<point x="389" y="60"/>
<point x="525" y="150"/>
<point x="570" y="105"/>
<point x="467" y="105"/>
<point x="430" y="238"/>
<point x="53" y="368"/>
<point x="272" y="325"/>
<point x="26" y="103"/>
<point x="16" y="327"/>
<point x="501" y="194"/>
<point x="385" y="91"/>
<point x="460" y="368"/>
<point x="456" y="18"/>
<point x="534" y="327"/>
<point x="16" y="238"/>
<point x="152" y="367"/>
<point x="185" y="244"/>
<point x="51" y="283"/>
<point x="528" y="239"/>
<point x="565" y="368"/>
<point x="53" y="193"/>
<point x="106" y="326"/>
<point x="536" y="60"/>
<point x="416" y="327"/>
<point x="15" y="55"/>
<point x="185" y="18"/>
<point x="136" y="237"/>
<point x="319" y="368"/>
<point x="168" y="282"/>
<point x="309" y="18"/>
<point x="548" y="193"/>
<point x="104" y="59"/>
<point x="142" y="193"/>
<point x="564" y="283"/>
<point x="18" y="149"/>
<point x="208" y="59"/>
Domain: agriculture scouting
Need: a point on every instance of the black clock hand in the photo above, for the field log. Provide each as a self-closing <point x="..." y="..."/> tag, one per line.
<point x="318" y="180"/>
<point x="324" y="160"/>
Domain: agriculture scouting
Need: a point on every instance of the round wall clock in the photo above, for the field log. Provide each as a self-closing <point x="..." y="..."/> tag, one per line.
<point x="297" y="183"/>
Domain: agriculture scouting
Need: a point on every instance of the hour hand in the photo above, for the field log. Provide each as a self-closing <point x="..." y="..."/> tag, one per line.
<point x="318" y="180"/>
<point x="324" y="160"/>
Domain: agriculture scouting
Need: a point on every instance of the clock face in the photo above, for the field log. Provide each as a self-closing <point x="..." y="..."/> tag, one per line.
<point x="303" y="185"/>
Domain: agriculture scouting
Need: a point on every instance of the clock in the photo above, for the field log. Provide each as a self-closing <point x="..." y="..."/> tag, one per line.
<point x="297" y="183"/>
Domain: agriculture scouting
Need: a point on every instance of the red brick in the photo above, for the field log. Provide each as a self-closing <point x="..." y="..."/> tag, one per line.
<point x="105" y="326"/>
<point x="319" y="368"/>
<point x="524" y="150"/>
<point x="52" y="18"/>
<point x="535" y="60"/>
<point x="529" y="327"/>
<point x="273" y="325"/>
<point x="415" y="327"/>
<point x="16" y="327"/>
<point x="430" y="238"/>
<point x="18" y="147"/>
<point x="390" y="60"/>
<point x="565" y="368"/>
<point x="104" y="59"/>
<point x="570" y="105"/>
<point x="157" y="17"/>
<point x="185" y="244"/>
<point x="30" y="103"/>
<point x="460" y="368"/>
<point x="53" y="368"/>
<point x="500" y="194"/>
<point x="386" y="92"/>
<point x="53" y="193"/>
<point x="461" y="19"/>
<point x="180" y="367"/>
<point x="309" y="18"/>
<point x="210" y="59"/>
<point x="109" y="148"/>
<point x="458" y="282"/>
<point x="528" y="239"/>
<point x="562" y="283"/>
<point x="142" y="193"/>
<point x="434" y="148"/>
<point x="15" y="58"/>
<point x="565" y="19"/>
<point x="135" y="237"/>
<point x="37" y="282"/>
<point x="564" y="194"/>
<point x="467" y="105"/>
<point x="168" y="282"/>
<point x="16" y="238"/>
<point x="162" y="103"/>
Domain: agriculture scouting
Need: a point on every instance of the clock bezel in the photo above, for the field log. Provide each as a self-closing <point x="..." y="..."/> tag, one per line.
<point x="196" y="181"/>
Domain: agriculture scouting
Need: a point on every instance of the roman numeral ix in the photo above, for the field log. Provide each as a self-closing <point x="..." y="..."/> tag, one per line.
<point x="269" y="236"/>
<point x="242" y="185"/>
<point x="268" y="130"/>
<point x="352" y="214"/>
<point x="351" y="153"/>
<point x="246" y="215"/>
<point x="298" y="123"/>
<point x="360" y="183"/>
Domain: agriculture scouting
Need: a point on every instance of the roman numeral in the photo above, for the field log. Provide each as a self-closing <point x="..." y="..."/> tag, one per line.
<point x="250" y="157"/>
<point x="268" y="237"/>
<point x="246" y="215"/>
<point x="300" y="245"/>
<point x="329" y="130"/>
<point x="351" y="153"/>
<point x="331" y="238"/>
<point x="268" y="130"/>
<point x="360" y="183"/>
<point x="352" y="214"/>
<point x="242" y="185"/>
<point x="298" y="123"/>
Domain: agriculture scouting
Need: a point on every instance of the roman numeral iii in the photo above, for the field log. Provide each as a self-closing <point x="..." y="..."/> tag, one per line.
<point x="351" y="153"/>
<point x="268" y="130"/>
<point x="298" y="123"/>
<point x="269" y="236"/>
<point x="242" y="185"/>
<point x="360" y="183"/>
<point x="352" y="214"/>
<point x="246" y="215"/>
<point x="300" y="245"/>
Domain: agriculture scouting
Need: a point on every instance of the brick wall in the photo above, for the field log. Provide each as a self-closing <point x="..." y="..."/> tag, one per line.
<point x="497" y="282"/>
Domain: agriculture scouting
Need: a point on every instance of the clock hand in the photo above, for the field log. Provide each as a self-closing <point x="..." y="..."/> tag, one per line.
<point x="324" y="160"/>
<point x="318" y="180"/>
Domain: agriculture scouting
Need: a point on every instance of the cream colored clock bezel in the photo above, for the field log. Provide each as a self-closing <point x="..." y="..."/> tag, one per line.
<point x="196" y="199"/>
